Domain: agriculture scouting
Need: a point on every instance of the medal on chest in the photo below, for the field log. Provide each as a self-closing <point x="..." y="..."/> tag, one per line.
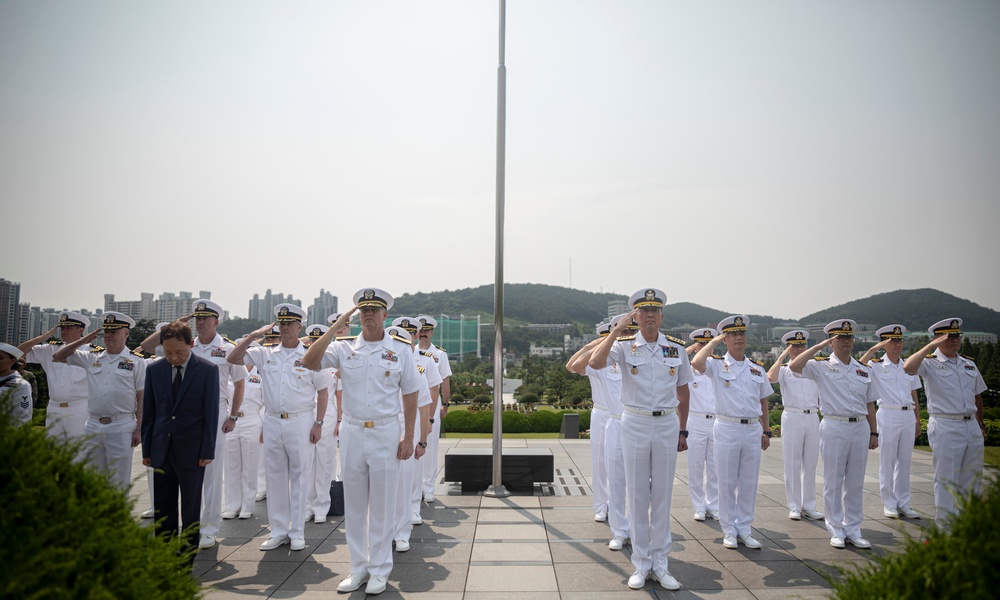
<point x="673" y="371"/>
<point x="727" y="383"/>
<point x="634" y="370"/>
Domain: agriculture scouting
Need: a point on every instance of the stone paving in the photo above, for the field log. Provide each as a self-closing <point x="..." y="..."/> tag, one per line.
<point x="547" y="545"/>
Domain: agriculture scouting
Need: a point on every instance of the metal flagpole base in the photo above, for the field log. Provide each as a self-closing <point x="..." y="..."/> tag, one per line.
<point x="496" y="491"/>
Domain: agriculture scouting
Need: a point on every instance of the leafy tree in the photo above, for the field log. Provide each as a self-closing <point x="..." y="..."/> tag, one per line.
<point x="141" y="331"/>
<point x="237" y="328"/>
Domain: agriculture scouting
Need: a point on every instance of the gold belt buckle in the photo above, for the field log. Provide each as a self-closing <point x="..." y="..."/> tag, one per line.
<point x="64" y="405"/>
<point x="104" y="420"/>
<point x="282" y="415"/>
<point x="240" y="414"/>
<point x="369" y="424"/>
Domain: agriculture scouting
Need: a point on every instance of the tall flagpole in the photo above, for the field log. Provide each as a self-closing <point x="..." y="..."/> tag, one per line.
<point x="497" y="490"/>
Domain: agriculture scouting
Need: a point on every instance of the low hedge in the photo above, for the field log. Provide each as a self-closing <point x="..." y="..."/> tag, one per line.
<point x="66" y="532"/>
<point x="543" y="421"/>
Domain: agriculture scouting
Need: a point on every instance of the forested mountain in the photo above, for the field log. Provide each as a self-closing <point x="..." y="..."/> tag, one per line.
<point x="916" y="309"/>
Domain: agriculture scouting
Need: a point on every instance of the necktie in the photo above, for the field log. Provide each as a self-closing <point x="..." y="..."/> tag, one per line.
<point x="177" y="381"/>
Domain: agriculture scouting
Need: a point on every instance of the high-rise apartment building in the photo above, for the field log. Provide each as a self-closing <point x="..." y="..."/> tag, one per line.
<point x="322" y="307"/>
<point x="136" y="309"/>
<point x="10" y="302"/>
<point x="262" y="309"/>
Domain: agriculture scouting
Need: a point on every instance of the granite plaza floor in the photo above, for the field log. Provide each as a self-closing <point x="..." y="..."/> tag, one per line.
<point x="547" y="545"/>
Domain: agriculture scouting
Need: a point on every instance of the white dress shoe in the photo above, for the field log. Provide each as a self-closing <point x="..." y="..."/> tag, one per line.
<point x="699" y="515"/>
<point x="207" y="541"/>
<point x="859" y="542"/>
<point x="666" y="580"/>
<point x="794" y="515"/>
<point x="147" y="514"/>
<point x="260" y="496"/>
<point x="712" y="514"/>
<point x="601" y="516"/>
<point x="402" y="546"/>
<point x="892" y="513"/>
<point x="638" y="580"/>
<point x="376" y="584"/>
<point x="428" y="498"/>
<point x="229" y="514"/>
<point x="353" y="582"/>
<point x="837" y="542"/>
<point x="298" y="543"/>
<point x="750" y="542"/>
<point x="309" y="516"/>
<point x="905" y="511"/>
<point x="319" y="519"/>
<point x="416" y="519"/>
<point x="815" y="515"/>
<point x="272" y="543"/>
<point x="617" y="542"/>
<point x="246" y="515"/>
<point x="730" y="541"/>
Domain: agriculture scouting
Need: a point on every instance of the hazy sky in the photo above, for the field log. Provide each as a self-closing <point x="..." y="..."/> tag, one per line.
<point x="762" y="157"/>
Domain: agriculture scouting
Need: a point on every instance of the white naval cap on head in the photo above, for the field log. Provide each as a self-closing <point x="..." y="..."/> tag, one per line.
<point x="333" y="318"/>
<point x="69" y="318"/>
<point x="946" y="326"/>
<point x="14" y="351"/>
<point x="703" y="335"/>
<point x="891" y="332"/>
<point x="844" y="327"/>
<point x="116" y="320"/>
<point x="160" y="326"/>
<point x="203" y="307"/>
<point x="314" y="332"/>
<point x="289" y="313"/>
<point x="275" y="332"/>
<point x="373" y="297"/>
<point x="427" y="322"/>
<point x="617" y="319"/>
<point x="603" y="329"/>
<point x="408" y="323"/>
<point x="400" y="333"/>
<point x="734" y="323"/>
<point x="647" y="297"/>
<point x="796" y="337"/>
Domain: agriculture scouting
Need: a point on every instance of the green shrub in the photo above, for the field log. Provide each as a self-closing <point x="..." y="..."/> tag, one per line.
<point x="992" y="431"/>
<point x="529" y="398"/>
<point x="482" y="422"/>
<point x="515" y="422"/>
<point x="66" y="532"/>
<point x="458" y="421"/>
<point x="481" y="399"/>
<point x="545" y="421"/>
<point x="959" y="563"/>
<point x="457" y="399"/>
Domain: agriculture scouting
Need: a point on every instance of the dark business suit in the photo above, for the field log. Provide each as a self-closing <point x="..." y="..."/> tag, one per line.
<point x="176" y="434"/>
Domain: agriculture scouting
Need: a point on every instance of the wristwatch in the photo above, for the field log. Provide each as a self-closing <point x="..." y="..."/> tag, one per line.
<point x="234" y="418"/>
<point x="769" y="433"/>
<point x="684" y="432"/>
<point x="875" y="433"/>
<point x="319" y="422"/>
<point x="446" y="404"/>
<point x="422" y="444"/>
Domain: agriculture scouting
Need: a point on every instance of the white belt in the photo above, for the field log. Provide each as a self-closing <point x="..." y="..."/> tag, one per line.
<point x="600" y="407"/>
<point x="701" y="415"/>
<point x="105" y="419"/>
<point x="802" y="411"/>
<point x="288" y="415"/>
<point x="651" y="413"/>
<point x="895" y="407"/>
<point x="952" y="417"/>
<point x="749" y="421"/>
<point x="369" y="423"/>
<point x="66" y="403"/>
<point x="846" y="419"/>
<point x="614" y="416"/>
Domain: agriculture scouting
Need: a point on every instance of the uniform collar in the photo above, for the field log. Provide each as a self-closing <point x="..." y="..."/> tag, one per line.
<point x="942" y="358"/>
<point x="215" y="343"/>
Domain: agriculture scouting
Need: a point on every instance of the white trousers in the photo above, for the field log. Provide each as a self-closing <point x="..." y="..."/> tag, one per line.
<point x="957" y="454"/>
<point x="243" y="463"/>
<point x="649" y="445"/>
<point x="599" y="480"/>
<point x="287" y="454"/>
<point x="371" y="472"/>
<point x="211" y="488"/>
<point x="109" y="449"/>
<point x="403" y="507"/>
<point x="800" y="451"/>
<point x="703" y="482"/>
<point x="614" y="462"/>
<point x="429" y="468"/>
<point x="261" y="472"/>
<point x="737" y="462"/>
<point x="322" y="470"/>
<point x="66" y="423"/>
<point x="844" y="447"/>
<point x="896" y="429"/>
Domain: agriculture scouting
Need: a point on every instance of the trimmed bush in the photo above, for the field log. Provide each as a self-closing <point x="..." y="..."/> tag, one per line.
<point x="529" y="398"/>
<point x="66" y="532"/>
<point x="481" y="399"/>
<point x="545" y="421"/>
<point x="515" y="422"/>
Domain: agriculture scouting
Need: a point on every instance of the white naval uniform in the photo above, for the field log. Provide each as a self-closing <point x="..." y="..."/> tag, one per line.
<point x="324" y="462"/>
<point x="216" y="352"/>
<point x="430" y="459"/>
<point x="243" y="449"/>
<point x="113" y="383"/>
<point x="66" y="412"/>
<point x="951" y="386"/>
<point x="598" y="423"/>
<point x="739" y="388"/>
<point x="844" y="393"/>
<point x="253" y="382"/>
<point x="703" y="481"/>
<point x="20" y="397"/>
<point x="410" y="488"/>
<point x="897" y="423"/>
<point x="289" y="413"/>
<point x="614" y="459"/>
<point x="373" y="375"/>
<point x="651" y="374"/>
<point x="799" y="438"/>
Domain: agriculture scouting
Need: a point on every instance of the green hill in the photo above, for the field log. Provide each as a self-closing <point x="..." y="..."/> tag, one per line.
<point x="916" y="309"/>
